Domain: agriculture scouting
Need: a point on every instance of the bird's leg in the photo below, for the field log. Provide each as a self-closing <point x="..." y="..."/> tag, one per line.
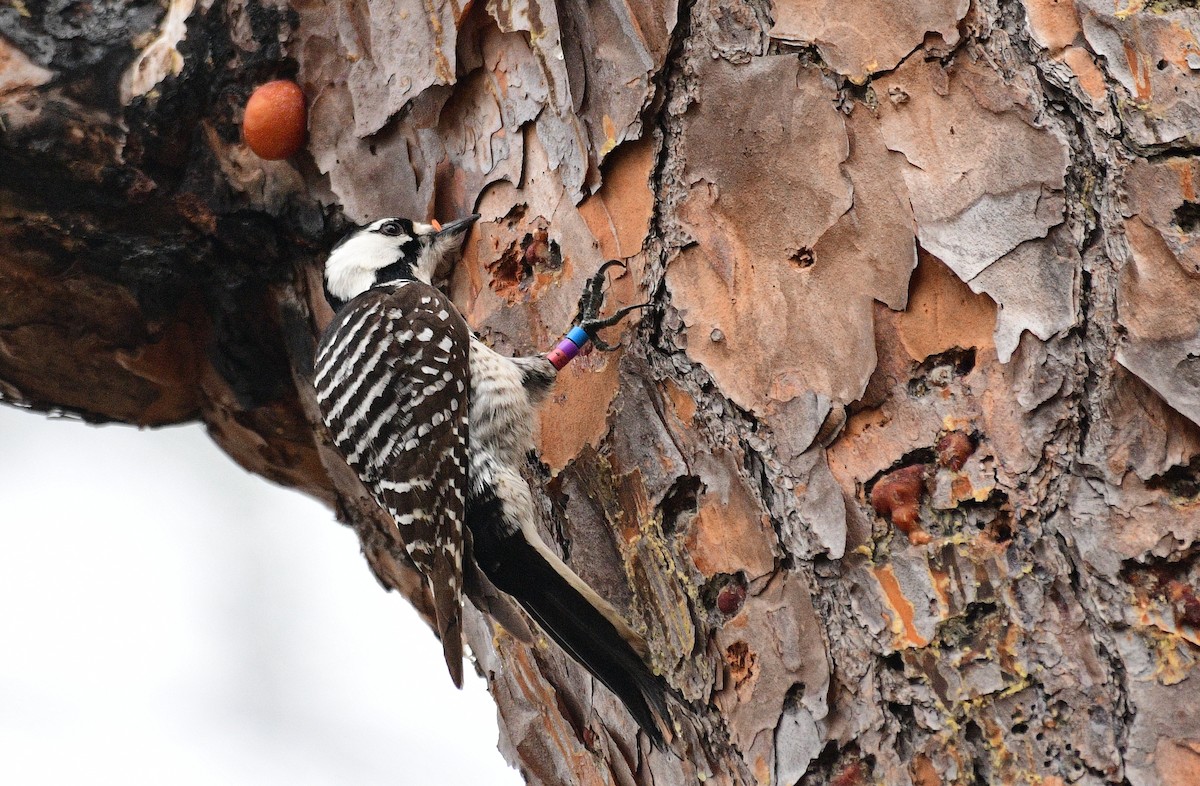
<point x="592" y="300"/>
<point x="588" y="323"/>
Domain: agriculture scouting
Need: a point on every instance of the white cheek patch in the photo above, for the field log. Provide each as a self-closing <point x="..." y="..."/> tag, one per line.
<point x="350" y="269"/>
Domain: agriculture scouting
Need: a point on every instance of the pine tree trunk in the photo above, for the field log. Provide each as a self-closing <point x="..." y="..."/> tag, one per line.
<point x="898" y="475"/>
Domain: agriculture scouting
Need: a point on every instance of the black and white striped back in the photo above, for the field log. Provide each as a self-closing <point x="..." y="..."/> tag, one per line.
<point x="392" y="380"/>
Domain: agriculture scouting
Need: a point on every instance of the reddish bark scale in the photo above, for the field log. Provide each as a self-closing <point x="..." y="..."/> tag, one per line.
<point x="276" y="120"/>
<point x="954" y="449"/>
<point x="897" y="497"/>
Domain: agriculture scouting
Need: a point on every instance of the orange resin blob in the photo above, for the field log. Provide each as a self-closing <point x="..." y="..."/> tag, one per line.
<point x="276" y="120"/>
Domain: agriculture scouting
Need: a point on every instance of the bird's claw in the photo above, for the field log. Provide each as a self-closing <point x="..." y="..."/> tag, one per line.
<point x="592" y="300"/>
<point x="593" y="326"/>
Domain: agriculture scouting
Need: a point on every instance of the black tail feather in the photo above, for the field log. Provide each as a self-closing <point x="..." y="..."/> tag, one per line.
<point x="516" y="568"/>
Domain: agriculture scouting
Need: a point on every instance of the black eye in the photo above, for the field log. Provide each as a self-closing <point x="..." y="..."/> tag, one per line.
<point x="391" y="229"/>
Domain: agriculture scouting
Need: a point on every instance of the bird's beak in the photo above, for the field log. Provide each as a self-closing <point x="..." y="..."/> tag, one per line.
<point x="457" y="227"/>
<point x="448" y="244"/>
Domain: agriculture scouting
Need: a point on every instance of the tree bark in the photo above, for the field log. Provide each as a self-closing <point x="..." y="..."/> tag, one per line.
<point x="899" y="474"/>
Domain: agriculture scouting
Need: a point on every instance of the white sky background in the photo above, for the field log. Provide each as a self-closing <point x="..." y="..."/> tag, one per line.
<point x="165" y="617"/>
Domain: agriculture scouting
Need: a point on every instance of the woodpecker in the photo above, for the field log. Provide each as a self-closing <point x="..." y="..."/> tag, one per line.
<point x="437" y="425"/>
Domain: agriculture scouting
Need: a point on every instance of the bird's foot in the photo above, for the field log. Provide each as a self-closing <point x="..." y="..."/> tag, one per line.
<point x="592" y="300"/>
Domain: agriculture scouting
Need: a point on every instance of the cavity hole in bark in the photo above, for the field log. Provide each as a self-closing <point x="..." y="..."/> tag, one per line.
<point x="1187" y="216"/>
<point x="977" y="611"/>
<point x="1001" y="529"/>
<point x="906" y="723"/>
<point x="826" y="760"/>
<point x="682" y="499"/>
<point x="940" y="370"/>
<point x="741" y="662"/>
<point x="1179" y="481"/>
<point x="911" y="458"/>
<point x="962" y="629"/>
<point x="1167" y="584"/>
<point x="515" y="271"/>
<point x="802" y="257"/>
<point x="556" y="257"/>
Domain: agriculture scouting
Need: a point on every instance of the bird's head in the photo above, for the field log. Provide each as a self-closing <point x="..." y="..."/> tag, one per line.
<point x="388" y="250"/>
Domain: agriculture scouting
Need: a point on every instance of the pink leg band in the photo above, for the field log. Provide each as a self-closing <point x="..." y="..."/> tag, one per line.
<point x="562" y="354"/>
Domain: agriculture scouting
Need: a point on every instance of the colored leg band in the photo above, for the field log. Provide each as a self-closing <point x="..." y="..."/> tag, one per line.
<point x="568" y="347"/>
<point x="578" y="336"/>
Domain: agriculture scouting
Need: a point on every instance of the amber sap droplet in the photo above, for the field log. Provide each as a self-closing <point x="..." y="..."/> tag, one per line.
<point x="954" y="449"/>
<point x="730" y="599"/>
<point x="276" y="120"/>
<point x="897" y="495"/>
